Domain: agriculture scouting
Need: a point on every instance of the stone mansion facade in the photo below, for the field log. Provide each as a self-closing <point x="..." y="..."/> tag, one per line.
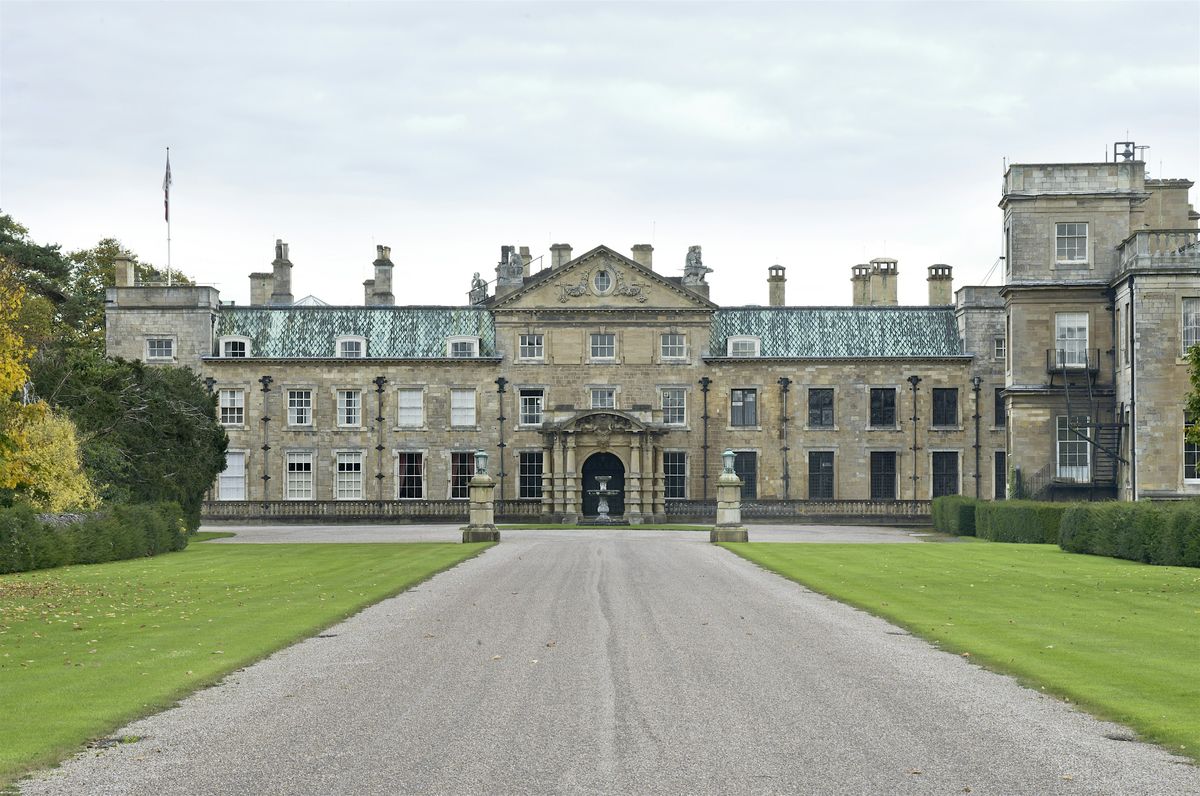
<point x="1069" y="379"/>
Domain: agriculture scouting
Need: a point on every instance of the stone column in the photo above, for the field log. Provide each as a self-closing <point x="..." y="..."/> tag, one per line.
<point x="729" y="526"/>
<point x="573" y="508"/>
<point x="633" y="489"/>
<point x="482" y="491"/>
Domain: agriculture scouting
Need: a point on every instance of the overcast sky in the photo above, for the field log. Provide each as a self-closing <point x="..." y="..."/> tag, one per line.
<point x="810" y="135"/>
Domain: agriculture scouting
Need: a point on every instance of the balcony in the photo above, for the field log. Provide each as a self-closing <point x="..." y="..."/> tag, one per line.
<point x="1159" y="248"/>
<point x="1072" y="360"/>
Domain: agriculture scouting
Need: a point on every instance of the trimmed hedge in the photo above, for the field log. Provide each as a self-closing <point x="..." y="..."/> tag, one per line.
<point x="1025" y="521"/>
<point x="954" y="514"/>
<point x="124" y="531"/>
<point x="1153" y="533"/>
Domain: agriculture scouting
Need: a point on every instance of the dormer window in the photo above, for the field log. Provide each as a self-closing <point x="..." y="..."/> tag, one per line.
<point x="462" y="347"/>
<point x="351" y="347"/>
<point x="235" y="347"/>
<point x="743" y="346"/>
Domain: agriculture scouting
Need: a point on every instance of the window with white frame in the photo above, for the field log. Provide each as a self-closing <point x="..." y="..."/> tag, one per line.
<point x="602" y="281"/>
<point x="672" y="345"/>
<point x="1074" y="462"/>
<point x="1191" y="454"/>
<point x="351" y="347"/>
<point x="349" y="483"/>
<point x="232" y="405"/>
<point x="675" y="475"/>
<point x="462" y="470"/>
<point x="298" y="480"/>
<point x="1071" y="242"/>
<point x="1191" y="323"/>
<point x="531" y="346"/>
<point x="674" y="406"/>
<point x="160" y="348"/>
<point x="299" y="407"/>
<point x="531" y="406"/>
<point x="604" y="345"/>
<point x="235" y="347"/>
<point x="743" y="346"/>
<point x="349" y="406"/>
<point x="462" y="408"/>
<point x="1071" y="339"/>
<point x="411" y="408"/>
<point x="604" y="398"/>
<point x="529" y="475"/>
<point x="462" y="347"/>
<point x="410" y="475"/>
<point x="1000" y="350"/>
<point x="231" y="483"/>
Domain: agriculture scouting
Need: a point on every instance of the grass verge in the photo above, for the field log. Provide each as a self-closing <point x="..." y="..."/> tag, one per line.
<point x="86" y="649"/>
<point x="1118" y="638"/>
<point x="204" y="536"/>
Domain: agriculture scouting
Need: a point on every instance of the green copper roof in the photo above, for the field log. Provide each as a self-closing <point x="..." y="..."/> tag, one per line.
<point x="399" y="332"/>
<point x="840" y="331"/>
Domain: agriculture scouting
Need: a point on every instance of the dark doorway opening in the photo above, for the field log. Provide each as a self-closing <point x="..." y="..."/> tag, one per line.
<point x="603" y="464"/>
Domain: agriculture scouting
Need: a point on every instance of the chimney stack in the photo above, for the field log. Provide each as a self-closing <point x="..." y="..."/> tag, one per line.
<point x="643" y="254"/>
<point x="560" y="255"/>
<point x="941" y="285"/>
<point x="775" y="285"/>
<point x="368" y="292"/>
<point x="261" y="286"/>
<point x="380" y="293"/>
<point x="861" y="280"/>
<point x="883" y="282"/>
<point x="526" y="259"/>
<point x="126" y="276"/>
<point x="281" y="288"/>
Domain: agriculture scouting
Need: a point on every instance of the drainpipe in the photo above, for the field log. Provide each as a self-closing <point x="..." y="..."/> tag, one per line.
<point x="784" y="384"/>
<point x="914" y="381"/>
<point x="500" y="385"/>
<point x="265" y="381"/>
<point x="975" y="382"/>
<point x="705" y="381"/>
<point x="379" y="382"/>
<point x="1133" y="459"/>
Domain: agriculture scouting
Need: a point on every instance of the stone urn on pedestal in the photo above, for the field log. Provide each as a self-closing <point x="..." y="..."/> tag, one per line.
<point x="482" y="491"/>
<point x="729" y="526"/>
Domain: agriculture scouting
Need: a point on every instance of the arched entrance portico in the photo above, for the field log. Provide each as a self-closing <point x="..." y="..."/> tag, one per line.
<point x="599" y="464"/>
<point x="601" y="442"/>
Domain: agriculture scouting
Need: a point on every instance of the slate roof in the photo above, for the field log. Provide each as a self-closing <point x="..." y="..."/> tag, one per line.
<point x="391" y="332"/>
<point x="833" y="332"/>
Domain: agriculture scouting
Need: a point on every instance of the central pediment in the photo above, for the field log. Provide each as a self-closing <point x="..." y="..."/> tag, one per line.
<point x="602" y="279"/>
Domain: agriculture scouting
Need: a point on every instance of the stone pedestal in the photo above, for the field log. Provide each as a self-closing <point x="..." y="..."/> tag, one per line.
<point x="482" y="490"/>
<point x="729" y="526"/>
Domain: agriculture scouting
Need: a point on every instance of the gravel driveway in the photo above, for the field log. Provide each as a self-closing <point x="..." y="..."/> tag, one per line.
<point x="611" y="663"/>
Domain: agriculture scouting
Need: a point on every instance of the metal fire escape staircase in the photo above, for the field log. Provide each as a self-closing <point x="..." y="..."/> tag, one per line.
<point x="1093" y="415"/>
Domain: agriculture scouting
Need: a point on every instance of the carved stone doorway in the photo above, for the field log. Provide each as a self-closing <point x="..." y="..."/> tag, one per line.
<point x="603" y="464"/>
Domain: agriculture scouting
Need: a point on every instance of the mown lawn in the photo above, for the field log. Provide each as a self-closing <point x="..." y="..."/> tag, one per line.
<point x="1120" y="639"/>
<point x="85" y="649"/>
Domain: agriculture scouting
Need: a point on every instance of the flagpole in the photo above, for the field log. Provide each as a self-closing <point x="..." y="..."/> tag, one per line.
<point x="167" y="206"/>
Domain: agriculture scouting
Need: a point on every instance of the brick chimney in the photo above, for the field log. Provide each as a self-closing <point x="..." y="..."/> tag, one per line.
<point x="941" y="285"/>
<point x="775" y="285"/>
<point x="381" y="294"/>
<point x="281" y="290"/>
<point x="262" y="284"/>
<point x="560" y="255"/>
<point x="861" y="280"/>
<point x="643" y="254"/>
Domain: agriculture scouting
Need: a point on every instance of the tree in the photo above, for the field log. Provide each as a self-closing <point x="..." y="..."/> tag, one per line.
<point x="41" y="269"/>
<point x="45" y="467"/>
<point x="149" y="433"/>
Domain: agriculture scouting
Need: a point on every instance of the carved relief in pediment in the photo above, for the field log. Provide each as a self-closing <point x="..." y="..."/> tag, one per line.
<point x="600" y="281"/>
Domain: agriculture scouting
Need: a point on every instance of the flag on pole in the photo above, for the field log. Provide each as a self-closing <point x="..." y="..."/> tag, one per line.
<point x="167" y="189"/>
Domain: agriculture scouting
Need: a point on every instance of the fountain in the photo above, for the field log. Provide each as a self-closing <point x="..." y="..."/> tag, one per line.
<point x="603" y="493"/>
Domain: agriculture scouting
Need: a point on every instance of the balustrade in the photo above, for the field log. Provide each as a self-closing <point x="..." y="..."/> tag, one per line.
<point x="1160" y="247"/>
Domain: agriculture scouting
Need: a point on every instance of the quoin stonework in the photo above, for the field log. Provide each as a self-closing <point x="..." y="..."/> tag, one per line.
<point x="1068" y="380"/>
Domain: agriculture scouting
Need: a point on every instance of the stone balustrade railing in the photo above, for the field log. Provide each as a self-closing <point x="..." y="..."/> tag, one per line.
<point x="917" y="511"/>
<point x="1156" y="248"/>
<point x="364" y="510"/>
